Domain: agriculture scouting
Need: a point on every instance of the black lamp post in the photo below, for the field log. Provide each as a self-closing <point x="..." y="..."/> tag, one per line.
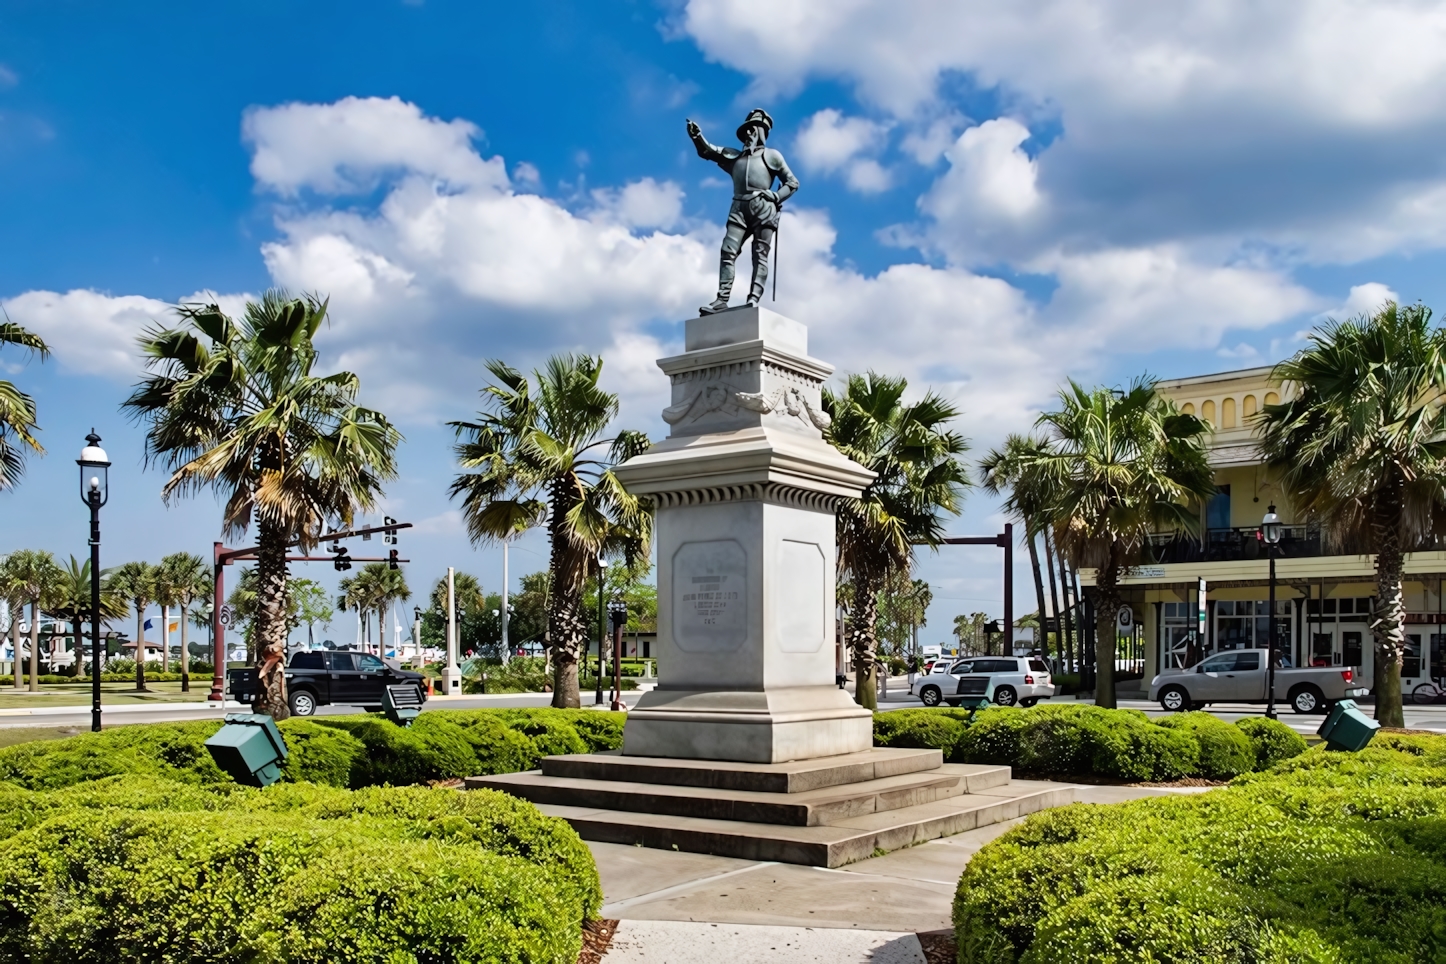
<point x="1270" y="531"/>
<point x="618" y="610"/>
<point x="94" y="492"/>
<point x="602" y="626"/>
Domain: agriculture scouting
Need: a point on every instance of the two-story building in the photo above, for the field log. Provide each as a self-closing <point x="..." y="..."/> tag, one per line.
<point x="1324" y="597"/>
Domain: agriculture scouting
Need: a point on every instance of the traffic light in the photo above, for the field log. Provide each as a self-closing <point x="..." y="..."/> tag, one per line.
<point x="342" y="562"/>
<point x="392" y="559"/>
<point x="390" y="536"/>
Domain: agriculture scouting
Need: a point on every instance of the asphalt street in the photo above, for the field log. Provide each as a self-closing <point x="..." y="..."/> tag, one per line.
<point x="1417" y="717"/>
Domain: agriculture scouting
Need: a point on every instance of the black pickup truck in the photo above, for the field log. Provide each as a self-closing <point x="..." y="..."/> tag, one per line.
<point x="320" y="678"/>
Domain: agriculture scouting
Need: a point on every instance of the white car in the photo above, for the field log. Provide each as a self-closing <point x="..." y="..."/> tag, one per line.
<point x="1022" y="680"/>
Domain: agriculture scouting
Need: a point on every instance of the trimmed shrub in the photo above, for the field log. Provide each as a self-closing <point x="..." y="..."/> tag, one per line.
<point x="1071" y="740"/>
<point x="1271" y="740"/>
<point x="320" y="754"/>
<point x="599" y="729"/>
<point x="182" y="886"/>
<point x="496" y="747"/>
<point x="1327" y="857"/>
<point x="918" y="729"/>
<point x="430" y="749"/>
<point x="1225" y="750"/>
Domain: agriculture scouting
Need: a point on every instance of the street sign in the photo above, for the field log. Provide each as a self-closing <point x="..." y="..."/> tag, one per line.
<point x="1125" y="619"/>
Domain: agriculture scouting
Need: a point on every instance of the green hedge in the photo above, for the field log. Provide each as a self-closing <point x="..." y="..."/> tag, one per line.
<point x="1079" y="740"/>
<point x="50" y="679"/>
<point x="340" y="751"/>
<point x="170" y="871"/>
<point x="1325" y="857"/>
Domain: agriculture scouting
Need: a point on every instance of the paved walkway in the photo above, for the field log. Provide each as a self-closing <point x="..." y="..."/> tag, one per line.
<point x="681" y="907"/>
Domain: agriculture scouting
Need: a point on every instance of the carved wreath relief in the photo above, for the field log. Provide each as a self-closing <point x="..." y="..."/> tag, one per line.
<point x="789" y="401"/>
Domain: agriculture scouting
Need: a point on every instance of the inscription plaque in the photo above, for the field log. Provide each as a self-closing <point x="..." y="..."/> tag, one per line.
<point x="710" y="596"/>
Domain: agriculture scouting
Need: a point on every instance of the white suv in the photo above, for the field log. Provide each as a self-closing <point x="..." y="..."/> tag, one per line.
<point x="1016" y="679"/>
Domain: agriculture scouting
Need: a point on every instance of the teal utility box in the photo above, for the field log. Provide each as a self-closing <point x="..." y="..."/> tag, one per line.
<point x="403" y="703"/>
<point x="1347" y="728"/>
<point x="250" y="748"/>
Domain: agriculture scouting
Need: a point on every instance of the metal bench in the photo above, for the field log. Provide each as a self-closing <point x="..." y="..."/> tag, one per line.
<point x="974" y="693"/>
<point x="402" y="703"/>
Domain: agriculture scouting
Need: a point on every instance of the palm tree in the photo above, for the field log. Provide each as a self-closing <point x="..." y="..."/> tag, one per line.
<point x="10" y="591"/>
<point x="17" y="410"/>
<point x="233" y="405"/>
<point x="998" y="471"/>
<point x="357" y="595"/>
<point x="466" y="589"/>
<point x="919" y="480"/>
<point x="313" y="605"/>
<point x="540" y="458"/>
<point x="32" y="576"/>
<point x="136" y="582"/>
<point x="1361" y="448"/>
<point x="70" y="601"/>
<point x="1112" y="468"/>
<point x="391" y="588"/>
<point x="188" y="578"/>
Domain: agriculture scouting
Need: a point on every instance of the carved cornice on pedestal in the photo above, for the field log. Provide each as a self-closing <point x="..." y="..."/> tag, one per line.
<point x="771" y="492"/>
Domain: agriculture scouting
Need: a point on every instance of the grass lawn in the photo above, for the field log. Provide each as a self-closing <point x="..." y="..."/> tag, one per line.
<point x="111" y="694"/>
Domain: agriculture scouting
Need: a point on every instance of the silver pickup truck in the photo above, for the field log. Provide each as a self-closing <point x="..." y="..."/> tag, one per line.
<point x="1239" y="677"/>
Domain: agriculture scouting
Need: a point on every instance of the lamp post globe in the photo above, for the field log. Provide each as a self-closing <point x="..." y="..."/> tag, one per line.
<point x="94" y="492"/>
<point x="1270" y="532"/>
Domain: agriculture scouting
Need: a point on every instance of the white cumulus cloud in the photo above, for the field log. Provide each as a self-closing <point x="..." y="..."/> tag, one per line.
<point x="831" y="143"/>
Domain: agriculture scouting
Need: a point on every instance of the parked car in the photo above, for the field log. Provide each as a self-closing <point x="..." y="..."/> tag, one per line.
<point x="1238" y="676"/>
<point x="1024" y="680"/>
<point x="322" y="678"/>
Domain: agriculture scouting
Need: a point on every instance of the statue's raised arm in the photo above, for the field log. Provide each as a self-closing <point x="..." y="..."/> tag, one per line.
<point x="756" y="205"/>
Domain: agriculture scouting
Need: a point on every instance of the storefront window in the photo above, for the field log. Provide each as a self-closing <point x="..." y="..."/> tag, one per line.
<point x="1245" y="623"/>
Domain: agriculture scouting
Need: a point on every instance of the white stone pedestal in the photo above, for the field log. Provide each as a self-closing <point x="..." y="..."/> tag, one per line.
<point x="744" y="488"/>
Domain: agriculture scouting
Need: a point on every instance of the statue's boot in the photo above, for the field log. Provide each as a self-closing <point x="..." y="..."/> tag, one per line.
<point x="721" y="304"/>
<point x="755" y="294"/>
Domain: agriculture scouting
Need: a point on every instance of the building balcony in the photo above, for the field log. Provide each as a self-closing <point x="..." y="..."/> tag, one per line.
<point x="1232" y="545"/>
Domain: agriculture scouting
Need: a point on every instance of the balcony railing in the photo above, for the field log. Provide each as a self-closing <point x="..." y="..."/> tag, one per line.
<point x="1229" y="545"/>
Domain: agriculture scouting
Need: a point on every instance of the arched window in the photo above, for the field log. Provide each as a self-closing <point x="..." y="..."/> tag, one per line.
<point x="1271" y="398"/>
<point x="1188" y="408"/>
<point x="1227" y="413"/>
<point x="1207" y="411"/>
<point x="1248" y="406"/>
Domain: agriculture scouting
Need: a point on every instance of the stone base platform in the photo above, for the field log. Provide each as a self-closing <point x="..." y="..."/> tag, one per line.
<point x="825" y="812"/>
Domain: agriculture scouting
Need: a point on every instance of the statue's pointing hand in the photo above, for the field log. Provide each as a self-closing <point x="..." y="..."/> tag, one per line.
<point x="693" y="129"/>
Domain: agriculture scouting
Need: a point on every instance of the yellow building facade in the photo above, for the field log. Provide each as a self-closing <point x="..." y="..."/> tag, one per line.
<point x="1323" y="598"/>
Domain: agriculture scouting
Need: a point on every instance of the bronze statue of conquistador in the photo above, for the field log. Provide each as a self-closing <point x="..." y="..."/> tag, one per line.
<point x="756" y="204"/>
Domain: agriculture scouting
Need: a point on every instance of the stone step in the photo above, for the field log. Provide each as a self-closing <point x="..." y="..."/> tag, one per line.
<point x="845" y="841"/>
<point x="806" y="808"/>
<point x="793" y="777"/>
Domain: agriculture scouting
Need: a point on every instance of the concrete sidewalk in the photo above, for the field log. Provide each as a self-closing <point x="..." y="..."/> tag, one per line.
<point x="670" y="942"/>
<point x="866" y="911"/>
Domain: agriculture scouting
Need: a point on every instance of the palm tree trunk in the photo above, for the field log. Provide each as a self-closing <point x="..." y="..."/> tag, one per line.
<point x="185" y="647"/>
<point x="165" y="639"/>
<point x="16" y="671"/>
<point x="863" y="640"/>
<point x="1038" y="592"/>
<point x="564" y="617"/>
<point x="1107" y="612"/>
<point x="79" y="648"/>
<point x="1053" y="595"/>
<point x="1388" y="626"/>
<point x="381" y="629"/>
<point x="140" y="646"/>
<point x="35" y="646"/>
<point x="269" y="626"/>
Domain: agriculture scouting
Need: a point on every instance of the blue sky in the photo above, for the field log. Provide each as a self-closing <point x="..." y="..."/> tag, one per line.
<point x="996" y="196"/>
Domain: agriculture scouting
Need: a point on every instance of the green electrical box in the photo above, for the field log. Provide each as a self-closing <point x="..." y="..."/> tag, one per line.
<point x="250" y="748"/>
<point x="1347" y="728"/>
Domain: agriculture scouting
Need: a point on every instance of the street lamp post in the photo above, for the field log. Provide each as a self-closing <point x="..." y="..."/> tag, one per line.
<point x="1270" y="531"/>
<point x="417" y="635"/>
<point x="618" y="610"/>
<point x="94" y="492"/>
<point x="602" y="628"/>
